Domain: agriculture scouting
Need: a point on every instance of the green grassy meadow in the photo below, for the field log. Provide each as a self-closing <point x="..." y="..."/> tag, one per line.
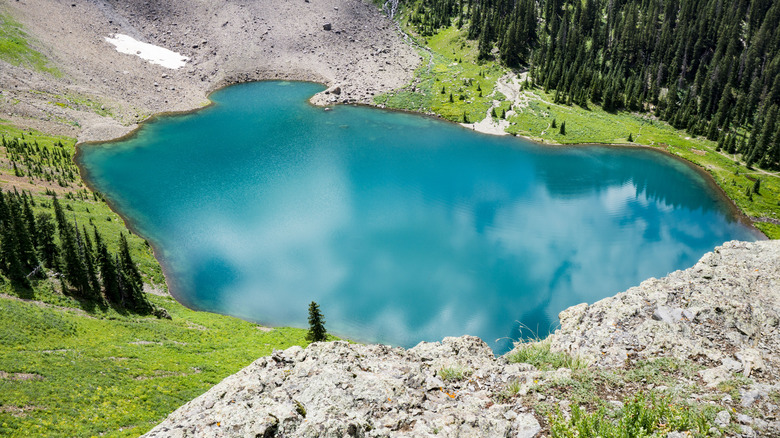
<point x="69" y="373"/>
<point x="15" y="48"/>
<point x="451" y="67"/>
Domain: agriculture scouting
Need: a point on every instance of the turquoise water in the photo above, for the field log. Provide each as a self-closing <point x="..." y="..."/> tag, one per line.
<point x="403" y="228"/>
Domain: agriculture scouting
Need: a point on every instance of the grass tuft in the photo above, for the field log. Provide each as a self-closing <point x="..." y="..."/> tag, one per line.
<point x="539" y="354"/>
<point x="454" y="373"/>
<point x="512" y="389"/>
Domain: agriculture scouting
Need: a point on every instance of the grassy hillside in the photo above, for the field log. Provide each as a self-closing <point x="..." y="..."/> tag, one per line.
<point x="73" y="368"/>
<point x="16" y="49"/>
<point x="66" y="372"/>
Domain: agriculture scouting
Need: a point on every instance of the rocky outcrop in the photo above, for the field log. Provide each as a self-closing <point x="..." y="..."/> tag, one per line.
<point x="721" y="315"/>
<point x="327" y="97"/>
<point x="723" y="311"/>
<point x="341" y="389"/>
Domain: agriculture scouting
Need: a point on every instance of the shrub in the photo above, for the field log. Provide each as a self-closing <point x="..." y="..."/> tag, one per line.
<point x="642" y="415"/>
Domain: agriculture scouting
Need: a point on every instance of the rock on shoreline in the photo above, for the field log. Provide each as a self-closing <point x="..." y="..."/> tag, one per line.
<point x="721" y="314"/>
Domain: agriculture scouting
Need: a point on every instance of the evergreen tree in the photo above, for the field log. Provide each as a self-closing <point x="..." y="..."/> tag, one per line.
<point x="317" y="331"/>
<point x="59" y="215"/>
<point x="88" y="256"/>
<point x="27" y="253"/>
<point x="74" y="272"/>
<point x="108" y="272"/>
<point x="4" y="213"/>
<point x="563" y="128"/>
<point x="127" y="263"/>
<point x="9" y="256"/>
<point x="29" y="217"/>
<point x="130" y="281"/>
<point x="47" y="248"/>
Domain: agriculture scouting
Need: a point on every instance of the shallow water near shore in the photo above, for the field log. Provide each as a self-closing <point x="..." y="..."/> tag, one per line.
<point x="403" y="228"/>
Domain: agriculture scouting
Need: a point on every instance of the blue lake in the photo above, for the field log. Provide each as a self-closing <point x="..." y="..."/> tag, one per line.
<point x="403" y="228"/>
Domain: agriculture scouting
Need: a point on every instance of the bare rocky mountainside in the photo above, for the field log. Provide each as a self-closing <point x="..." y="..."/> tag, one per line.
<point x="709" y="335"/>
<point x="106" y="93"/>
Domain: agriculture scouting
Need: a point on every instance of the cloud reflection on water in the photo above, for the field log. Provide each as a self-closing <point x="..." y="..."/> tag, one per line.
<point x="405" y="229"/>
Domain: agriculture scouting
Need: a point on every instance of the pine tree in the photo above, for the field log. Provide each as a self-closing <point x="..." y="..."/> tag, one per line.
<point x="317" y="331"/>
<point x="757" y="186"/>
<point x="47" y="248"/>
<point x="88" y="255"/>
<point x="30" y="220"/>
<point x="4" y="213"/>
<point x="59" y="215"/>
<point x="108" y="272"/>
<point x="27" y="254"/>
<point x="630" y="138"/>
<point x="563" y="128"/>
<point x="10" y="262"/>
<point x="484" y="45"/>
<point x="128" y="265"/>
<point x="75" y="273"/>
<point x="130" y="280"/>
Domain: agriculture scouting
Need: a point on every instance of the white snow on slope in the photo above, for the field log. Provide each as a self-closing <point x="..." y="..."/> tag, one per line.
<point x="154" y="54"/>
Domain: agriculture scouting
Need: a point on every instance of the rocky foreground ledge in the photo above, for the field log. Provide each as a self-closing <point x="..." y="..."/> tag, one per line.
<point x="707" y="336"/>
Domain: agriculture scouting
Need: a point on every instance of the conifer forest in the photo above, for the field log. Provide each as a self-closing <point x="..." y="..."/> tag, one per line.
<point x="709" y="67"/>
<point x="41" y="245"/>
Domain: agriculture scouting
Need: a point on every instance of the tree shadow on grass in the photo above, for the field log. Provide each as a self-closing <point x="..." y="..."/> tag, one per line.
<point x="22" y="289"/>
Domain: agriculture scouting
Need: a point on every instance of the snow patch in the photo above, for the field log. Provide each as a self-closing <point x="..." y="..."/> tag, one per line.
<point x="154" y="54"/>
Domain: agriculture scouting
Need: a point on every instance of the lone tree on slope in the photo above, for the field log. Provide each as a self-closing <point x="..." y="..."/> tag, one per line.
<point x="317" y="331"/>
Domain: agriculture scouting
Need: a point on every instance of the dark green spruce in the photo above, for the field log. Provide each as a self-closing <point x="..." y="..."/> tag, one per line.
<point x="711" y="67"/>
<point x="317" y="331"/>
<point x="29" y="250"/>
